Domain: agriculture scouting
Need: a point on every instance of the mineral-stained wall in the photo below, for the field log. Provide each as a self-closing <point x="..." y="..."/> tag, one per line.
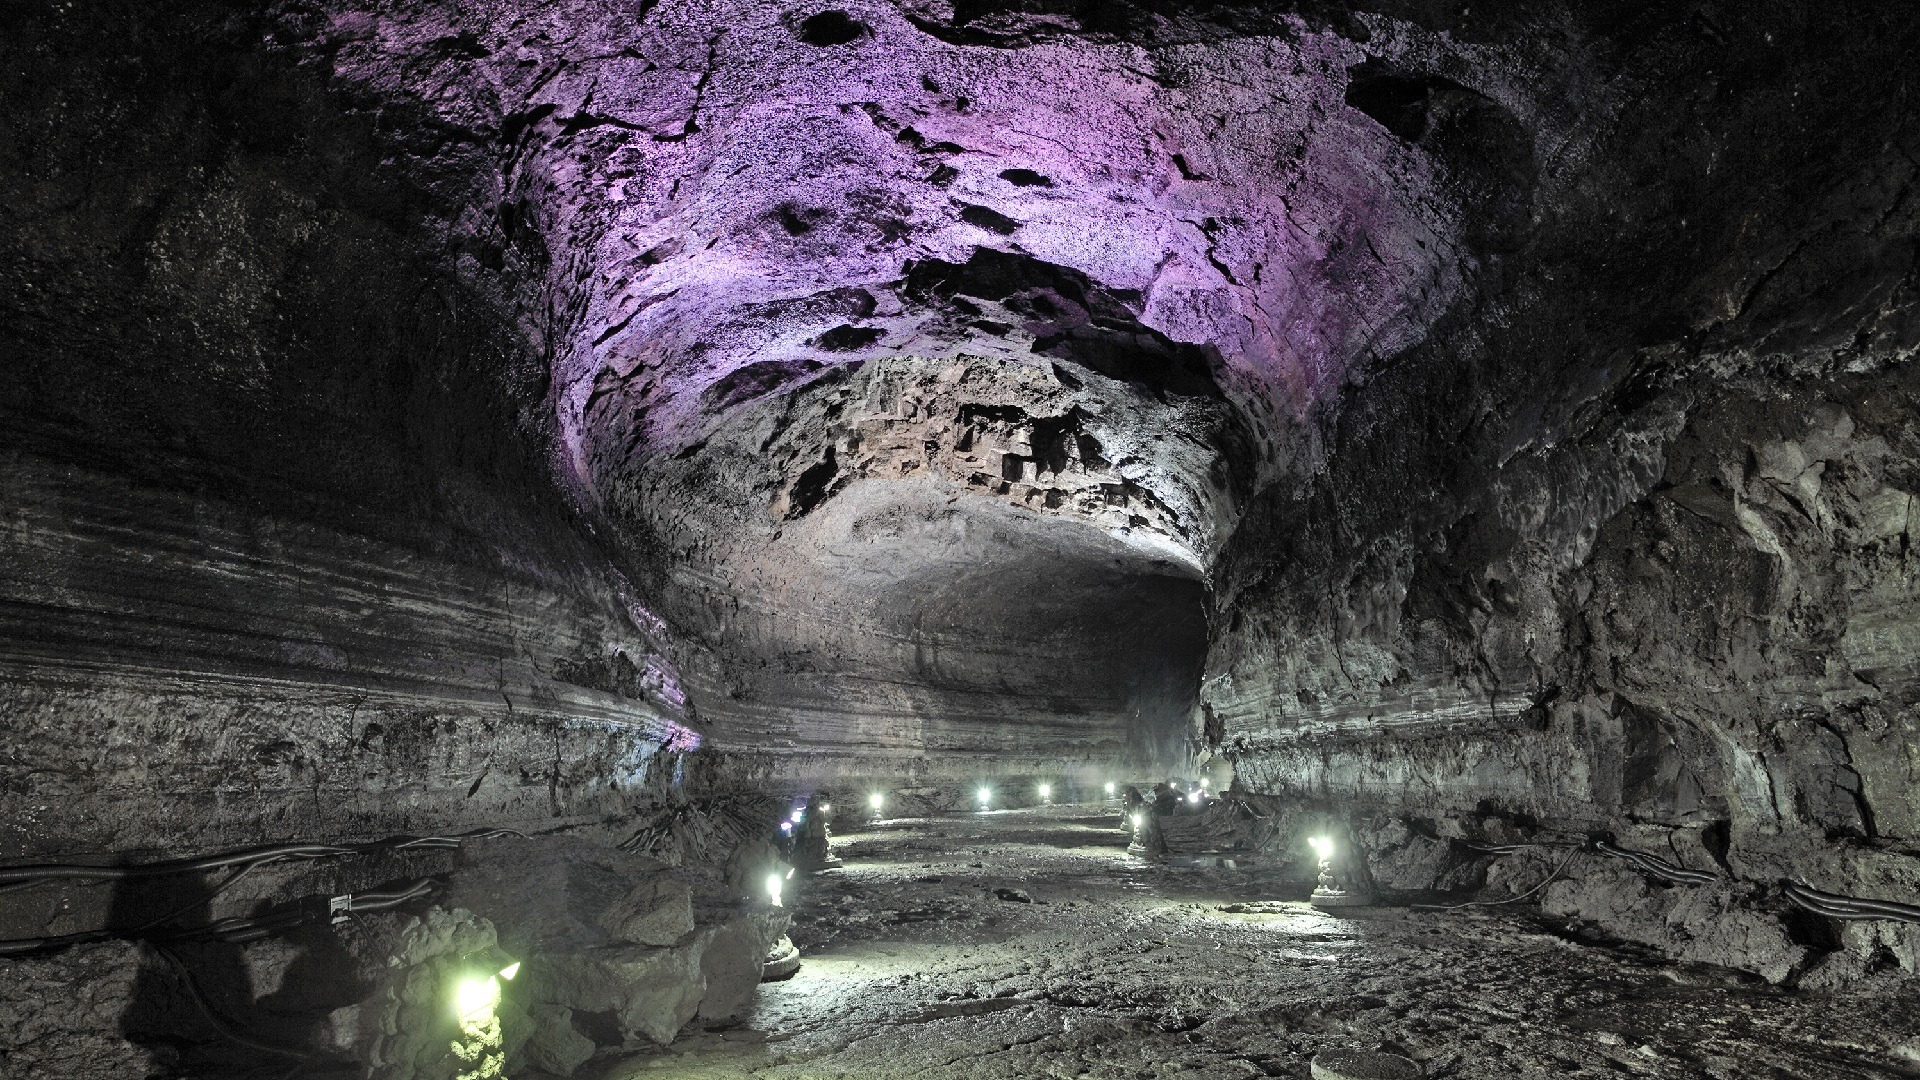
<point x="1475" y="420"/>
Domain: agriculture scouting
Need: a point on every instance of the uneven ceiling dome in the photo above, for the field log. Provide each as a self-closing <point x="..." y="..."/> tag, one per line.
<point x="1442" y="424"/>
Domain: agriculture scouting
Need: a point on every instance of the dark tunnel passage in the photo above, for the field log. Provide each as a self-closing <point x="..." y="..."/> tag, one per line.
<point x="709" y="539"/>
<point x="960" y="635"/>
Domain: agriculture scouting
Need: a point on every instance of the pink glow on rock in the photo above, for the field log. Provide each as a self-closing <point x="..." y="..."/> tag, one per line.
<point x="681" y="739"/>
<point x="713" y="191"/>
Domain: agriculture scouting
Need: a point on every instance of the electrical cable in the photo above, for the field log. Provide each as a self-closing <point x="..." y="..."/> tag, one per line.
<point x="12" y="877"/>
<point x="1849" y="908"/>
<point x="207" y="899"/>
<point x="1513" y="849"/>
<point x="1509" y="900"/>
<point x="1494" y="849"/>
<point x="237" y="931"/>
<point x="1831" y="905"/>
<point x="1666" y="871"/>
<point x="225" y="1030"/>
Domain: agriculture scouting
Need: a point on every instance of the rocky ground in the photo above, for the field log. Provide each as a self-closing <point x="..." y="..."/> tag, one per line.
<point x="1124" y="968"/>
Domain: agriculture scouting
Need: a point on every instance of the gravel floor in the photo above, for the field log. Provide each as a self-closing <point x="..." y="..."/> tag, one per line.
<point x="1122" y="968"/>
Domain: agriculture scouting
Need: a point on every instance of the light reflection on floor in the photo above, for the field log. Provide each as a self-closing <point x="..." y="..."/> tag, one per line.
<point x="1124" y="970"/>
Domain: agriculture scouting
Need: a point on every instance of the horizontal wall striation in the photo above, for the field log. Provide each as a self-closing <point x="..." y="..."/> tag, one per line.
<point x="181" y="671"/>
<point x="1627" y="549"/>
<point x="280" y="555"/>
<point x="941" y="636"/>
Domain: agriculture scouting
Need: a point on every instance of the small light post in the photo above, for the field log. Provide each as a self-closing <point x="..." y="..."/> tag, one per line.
<point x="1336" y="887"/>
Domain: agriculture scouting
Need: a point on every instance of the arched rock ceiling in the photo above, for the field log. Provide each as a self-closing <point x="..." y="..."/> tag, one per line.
<point x="739" y="202"/>
<point x="787" y="254"/>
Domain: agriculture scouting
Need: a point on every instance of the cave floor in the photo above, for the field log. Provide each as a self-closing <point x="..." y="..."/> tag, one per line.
<point x="1124" y="968"/>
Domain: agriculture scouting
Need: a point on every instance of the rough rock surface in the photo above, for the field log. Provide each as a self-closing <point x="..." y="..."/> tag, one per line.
<point x="61" y="1017"/>
<point x="1122" y="967"/>
<point x="571" y="912"/>
<point x="279" y="555"/>
<point x="1457" y="422"/>
<point x="610" y="952"/>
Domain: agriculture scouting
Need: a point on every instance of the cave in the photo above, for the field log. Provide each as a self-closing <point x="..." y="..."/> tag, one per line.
<point x="918" y="538"/>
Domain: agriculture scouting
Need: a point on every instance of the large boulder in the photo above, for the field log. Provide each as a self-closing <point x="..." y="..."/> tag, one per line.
<point x="614" y="946"/>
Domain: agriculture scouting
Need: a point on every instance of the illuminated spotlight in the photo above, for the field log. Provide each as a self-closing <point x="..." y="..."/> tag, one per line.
<point x="786" y="826"/>
<point x="510" y="971"/>
<point x="773" y="889"/>
<point x="1194" y="798"/>
<point x="1109" y="787"/>
<point x="1046" y="792"/>
<point x="1322" y="846"/>
<point x="1204" y="782"/>
<point x="796" y="816"/>
<point x="826" y="808"/>
<point x="475" y="998"/>
<point x="1136" y="821"/>
<point x="876" y="800"/>
<point x="986" y="797"/>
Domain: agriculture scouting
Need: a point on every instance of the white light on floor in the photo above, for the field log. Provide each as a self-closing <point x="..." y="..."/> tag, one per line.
<point x="773" y="889"/>
<point x="876" y="800"/>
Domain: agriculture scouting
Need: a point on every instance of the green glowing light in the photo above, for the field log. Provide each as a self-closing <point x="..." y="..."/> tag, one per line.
<point x="476" y="998"/>
<point x="478" y="1050"/>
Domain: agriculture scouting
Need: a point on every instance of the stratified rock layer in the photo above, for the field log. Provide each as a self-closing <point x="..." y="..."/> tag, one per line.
<point x="1626" y="549"/>
<point x="1476" y="421"/>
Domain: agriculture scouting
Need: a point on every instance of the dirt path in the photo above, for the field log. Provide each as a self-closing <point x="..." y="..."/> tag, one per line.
<point x="1124" y="969"/>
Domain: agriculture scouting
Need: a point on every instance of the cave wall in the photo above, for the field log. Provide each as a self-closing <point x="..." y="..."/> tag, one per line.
<point x="1527" y="388"/>
<point x="280" y="555"/>
<point x="784" y="265"/>
<point x="1631" y="557"/>
<point x="348" y="490"/>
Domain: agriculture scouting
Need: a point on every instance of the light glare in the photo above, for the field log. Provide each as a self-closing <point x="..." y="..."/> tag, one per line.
<point x="1046" y="791"/>
<point x="510" y="971"/>
<point x="773" y="889"/>
<point x="474" y="999"/>
<point x="1322" y="846"/>
<point x="1109" y="787"/>
<point x="876" y="800"/>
